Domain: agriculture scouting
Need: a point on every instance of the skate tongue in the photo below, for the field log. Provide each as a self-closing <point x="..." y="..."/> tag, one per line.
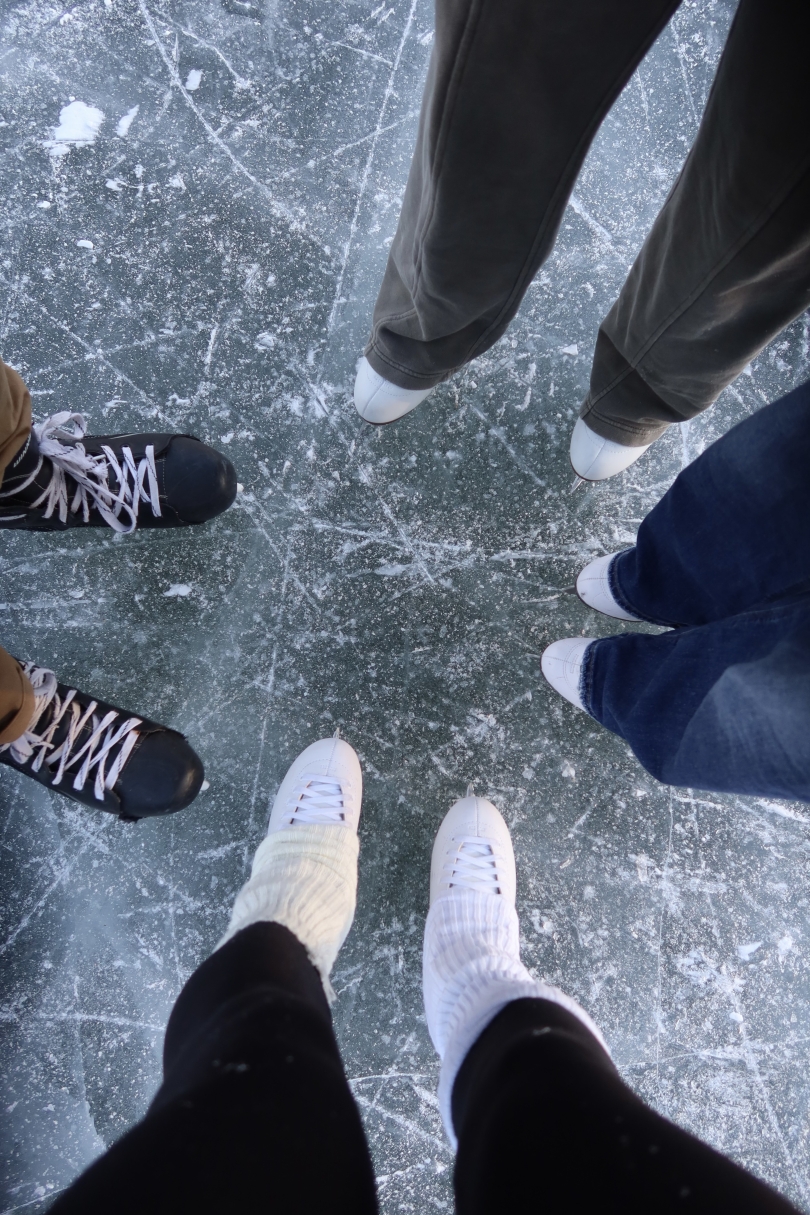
<point x="23" y="465"/>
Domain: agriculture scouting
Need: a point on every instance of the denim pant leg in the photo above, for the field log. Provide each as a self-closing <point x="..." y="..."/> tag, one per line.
<point x="722" y="706"/>
<point x="726" y="265"/>
<point x="254" y="1113"/>
<point x="546" y="1124"/>
<point x="733" y="531"/>
<point x="515" y="93"/>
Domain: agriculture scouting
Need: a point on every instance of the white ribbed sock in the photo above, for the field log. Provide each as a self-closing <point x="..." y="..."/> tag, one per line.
<point x="304" y="877"/>
<point x="471" y="971"/>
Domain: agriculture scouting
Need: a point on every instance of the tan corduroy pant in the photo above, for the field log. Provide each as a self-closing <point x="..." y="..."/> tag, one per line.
<point x="16" y="693"/>
<point x="15" y="415"/>
<point x="16" y="699"/>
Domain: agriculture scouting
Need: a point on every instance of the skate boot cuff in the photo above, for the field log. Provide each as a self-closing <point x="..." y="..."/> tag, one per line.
<point x="23" y="464"/>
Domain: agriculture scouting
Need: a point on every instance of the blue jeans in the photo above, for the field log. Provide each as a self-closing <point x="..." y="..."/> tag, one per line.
<point x="722" y="702"/>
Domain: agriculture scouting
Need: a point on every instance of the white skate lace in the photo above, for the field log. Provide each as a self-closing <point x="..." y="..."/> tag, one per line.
<point x="317" y="800"/>
<point x="137" y="481"/>
<point x="97" y="749"/>
<point x="473" y="865"/>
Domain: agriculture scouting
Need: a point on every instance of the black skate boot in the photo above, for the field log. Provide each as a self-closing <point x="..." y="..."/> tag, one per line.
<point x="66" y="478"/>
<point x="102" y="756"/>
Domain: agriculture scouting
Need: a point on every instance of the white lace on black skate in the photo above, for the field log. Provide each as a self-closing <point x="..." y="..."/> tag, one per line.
<point x="316" y="799"/>
<point x="472" y="865"/>
<point x="81" y="482"/>
<point x="104" y="745"/>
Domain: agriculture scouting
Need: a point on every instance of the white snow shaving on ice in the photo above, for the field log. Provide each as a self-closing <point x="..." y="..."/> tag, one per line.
<point x="126" y="122"/>
<point x="79" y="125"/>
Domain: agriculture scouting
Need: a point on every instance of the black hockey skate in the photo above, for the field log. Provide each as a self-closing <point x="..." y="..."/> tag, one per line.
<point x="66" y="478"/>
<point x="103" y="756"/>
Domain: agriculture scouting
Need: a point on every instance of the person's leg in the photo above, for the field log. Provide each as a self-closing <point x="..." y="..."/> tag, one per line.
<point x="471" y="966"/>
<point x="726" y="265"/>
<point x="515" y="93"/>
<point x="527" y="1089"/>
<point x="723" y="706"/>
<point x="544" y="1120"/>
<point x="723" y="703"/>
<point x="15" y="416"/>
<point x="255" y="1111"/>
<point x="732" y="531"/>
<point x="16" y="699"/>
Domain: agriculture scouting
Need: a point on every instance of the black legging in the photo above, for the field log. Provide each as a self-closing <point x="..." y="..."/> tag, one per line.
<point x="545" y="1122"/>
<point x="255" y="1113"/>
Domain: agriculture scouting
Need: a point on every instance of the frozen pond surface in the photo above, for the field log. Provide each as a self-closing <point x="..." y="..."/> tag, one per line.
<point x="205" y="257"/>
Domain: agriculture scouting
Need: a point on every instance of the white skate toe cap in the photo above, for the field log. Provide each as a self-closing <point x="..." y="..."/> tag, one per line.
<point x="561" y="664"/>
<point x="593" y="588"/>
<point x="595" y="459"/>
<point x="473" y="825"/>
<point x="379" y="401"/>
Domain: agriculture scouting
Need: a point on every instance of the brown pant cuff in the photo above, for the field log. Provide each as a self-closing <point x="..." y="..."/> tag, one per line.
<point x="16" y="699"/>
<point x="15" y="415"/>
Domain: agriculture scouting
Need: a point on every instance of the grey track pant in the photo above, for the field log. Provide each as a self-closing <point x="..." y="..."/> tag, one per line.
<point x="515" y="93"/>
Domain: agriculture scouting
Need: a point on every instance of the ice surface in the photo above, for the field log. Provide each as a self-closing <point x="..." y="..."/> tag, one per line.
<point x="399" y="582"/>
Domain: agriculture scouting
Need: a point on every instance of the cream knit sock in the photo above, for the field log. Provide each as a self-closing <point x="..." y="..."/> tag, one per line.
<point x="304" y="877"/>
<point x="471" y="971"/>
<point x="304" y="873"/>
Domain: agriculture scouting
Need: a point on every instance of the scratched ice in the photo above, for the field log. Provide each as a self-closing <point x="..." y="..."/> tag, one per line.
<point x="205" y="257"/>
